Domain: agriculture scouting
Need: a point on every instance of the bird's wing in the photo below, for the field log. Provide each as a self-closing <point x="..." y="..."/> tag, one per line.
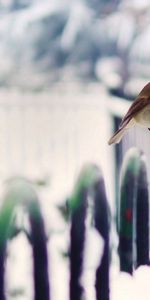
<point x="137" y="105"/>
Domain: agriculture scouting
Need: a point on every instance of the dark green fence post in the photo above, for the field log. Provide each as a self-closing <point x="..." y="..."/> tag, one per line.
<point x="102" y="224"/>
<point x="78" y="207"/>
<point x="142" y="213"/>
<point x="134" y="213"/>
<point x="90" y="182"/>
<point x="129" y="181"/>
<point x="40" y="256"/>
<point x="77" y="236"/>
<point x="20" y="191"/>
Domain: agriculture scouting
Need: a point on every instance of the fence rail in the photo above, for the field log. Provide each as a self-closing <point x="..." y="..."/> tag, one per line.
<point x="133" y="227"/>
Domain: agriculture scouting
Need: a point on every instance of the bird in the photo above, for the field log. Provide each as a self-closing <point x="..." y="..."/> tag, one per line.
<point x="138" y="114"/>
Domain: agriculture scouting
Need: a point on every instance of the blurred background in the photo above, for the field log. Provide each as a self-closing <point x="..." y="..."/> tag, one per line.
<point x="68" y="71"/>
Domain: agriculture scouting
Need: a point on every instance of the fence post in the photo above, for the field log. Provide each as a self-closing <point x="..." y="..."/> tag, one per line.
<point x="102" y="224"/>
<point x="20" y="191"/>
<point x="89" y="181"/>
<point x="142" y="216"/>
<point x="128" y="194"/>
<point x="134" y="213"/>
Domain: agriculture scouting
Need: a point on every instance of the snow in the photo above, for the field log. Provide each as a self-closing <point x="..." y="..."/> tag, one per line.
<point x="19" y="274"/>
<point x="138" y="52"/>
<point x="94" y="246"/>
<point x="79" y="18"/>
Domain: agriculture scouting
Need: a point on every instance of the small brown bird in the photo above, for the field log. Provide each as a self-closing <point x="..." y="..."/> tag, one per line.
<point x="138" y="114"/>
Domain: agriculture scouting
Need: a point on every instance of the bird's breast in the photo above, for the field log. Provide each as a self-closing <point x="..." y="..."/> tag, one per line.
<point x="143" y="117"/>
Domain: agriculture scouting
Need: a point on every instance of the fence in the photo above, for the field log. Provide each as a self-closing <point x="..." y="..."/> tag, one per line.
<point x="135" y="137"/>
<point x="87" y="197"/>
<point x="49" y="135"/>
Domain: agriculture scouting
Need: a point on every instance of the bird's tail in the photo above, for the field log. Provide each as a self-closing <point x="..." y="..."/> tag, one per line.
<point x="116" y="138"/>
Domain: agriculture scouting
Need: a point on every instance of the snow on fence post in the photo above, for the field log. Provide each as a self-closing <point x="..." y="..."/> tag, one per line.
<point x="90" y="182"/>
<point x="21" y="192"/>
